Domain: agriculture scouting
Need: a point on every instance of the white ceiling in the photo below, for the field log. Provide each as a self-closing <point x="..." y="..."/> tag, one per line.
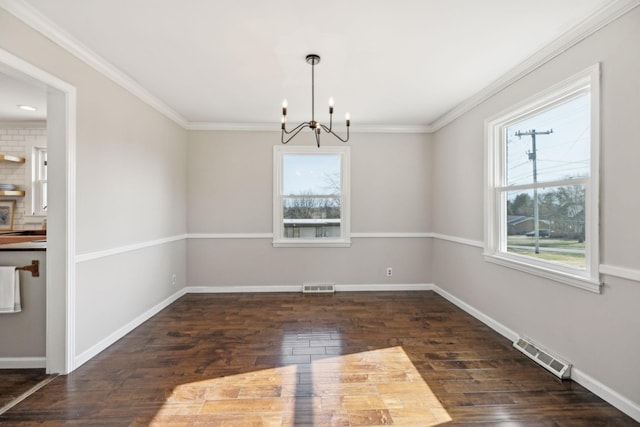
<point x="388" y="63"/>
<point x="17" y="89"/>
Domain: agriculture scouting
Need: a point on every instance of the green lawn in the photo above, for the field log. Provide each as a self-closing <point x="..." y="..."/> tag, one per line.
<point x="545" y="242"/>
<point x="572" y="259"/>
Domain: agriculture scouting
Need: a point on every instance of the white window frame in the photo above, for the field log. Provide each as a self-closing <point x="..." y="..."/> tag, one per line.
<point x="345" y="212"/>
<point x="495" y="250"/>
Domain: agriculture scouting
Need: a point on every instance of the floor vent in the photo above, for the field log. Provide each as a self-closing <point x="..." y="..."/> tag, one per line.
<point x="554" y="365"/>
<point x="318" y="288"/>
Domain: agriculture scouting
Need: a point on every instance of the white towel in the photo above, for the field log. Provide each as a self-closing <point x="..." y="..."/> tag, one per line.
<point x="9" y="290"/>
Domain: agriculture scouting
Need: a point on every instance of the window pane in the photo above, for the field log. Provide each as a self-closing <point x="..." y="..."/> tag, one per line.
<point x="43" y="164"/>
<point x="562" y="154"/>
<point x="561" y="224"/>
<point x="311" y="207"/>
<point x="311" y="217"/>
<point x="311" y="174"/>
<point x="43" y="197"/>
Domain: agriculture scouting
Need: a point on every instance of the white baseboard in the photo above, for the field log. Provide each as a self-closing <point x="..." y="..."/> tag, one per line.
<point x="606" y="393"/>
<point x="94" y="350"/>
<point x="22" y="362"/>
<point x="385" y="287"/>
<point x="298" y="288"/>
<point x="242" y="289"/>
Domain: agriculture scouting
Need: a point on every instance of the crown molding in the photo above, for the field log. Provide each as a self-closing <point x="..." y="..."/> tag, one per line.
<point x="250" y="127"/>
<point x="32" y="17"/>
<point x="391" y="128"/>
<point x="573" y="36"/>
<point x="275" y="127"/>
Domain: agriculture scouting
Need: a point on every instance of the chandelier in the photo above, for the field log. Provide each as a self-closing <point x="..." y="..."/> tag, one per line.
<point x="315" y="126"/>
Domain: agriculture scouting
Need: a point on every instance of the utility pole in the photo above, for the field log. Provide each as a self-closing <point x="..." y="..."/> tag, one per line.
<point x="533" y="157"/>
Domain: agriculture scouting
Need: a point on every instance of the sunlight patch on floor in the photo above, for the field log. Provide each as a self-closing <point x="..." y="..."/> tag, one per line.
<point x="378" y="387"/>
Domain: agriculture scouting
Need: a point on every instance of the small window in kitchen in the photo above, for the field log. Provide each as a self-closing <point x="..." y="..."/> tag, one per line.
<point x="39" y="181"/>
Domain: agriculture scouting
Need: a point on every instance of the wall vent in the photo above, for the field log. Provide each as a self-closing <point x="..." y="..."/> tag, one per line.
<point x="556" y="366"/>
<point x="318" y="288"/>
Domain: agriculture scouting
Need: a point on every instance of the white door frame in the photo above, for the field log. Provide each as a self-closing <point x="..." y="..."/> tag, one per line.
<point x="61" y="231"/>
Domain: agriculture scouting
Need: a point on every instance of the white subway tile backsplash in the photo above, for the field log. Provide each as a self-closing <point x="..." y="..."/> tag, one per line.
<point x="12" y="141"/>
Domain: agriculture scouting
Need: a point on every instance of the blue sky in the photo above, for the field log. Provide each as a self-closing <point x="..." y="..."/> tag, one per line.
<point x="307" y="173"/>
<point x="562" y="154"/>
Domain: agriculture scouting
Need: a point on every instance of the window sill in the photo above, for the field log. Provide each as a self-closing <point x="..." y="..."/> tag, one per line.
<point x="296" y="243"/>
<point x="36" y="216"/>
<point x="577" y="281"/>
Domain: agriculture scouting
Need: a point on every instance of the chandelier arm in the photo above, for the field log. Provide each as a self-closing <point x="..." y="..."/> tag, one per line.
<point x="294" y="131"/>
<point x="328" y="130"/>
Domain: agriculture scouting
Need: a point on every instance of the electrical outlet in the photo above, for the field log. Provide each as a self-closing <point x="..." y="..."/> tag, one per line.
<point x="173" y="279"/>
<point x="389" y="271"/>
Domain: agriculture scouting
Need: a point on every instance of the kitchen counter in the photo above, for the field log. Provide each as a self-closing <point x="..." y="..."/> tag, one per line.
<point x="23" y="241"/>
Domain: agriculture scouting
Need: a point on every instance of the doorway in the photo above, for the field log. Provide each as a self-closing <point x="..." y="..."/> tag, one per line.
<point x="60" y="270"/>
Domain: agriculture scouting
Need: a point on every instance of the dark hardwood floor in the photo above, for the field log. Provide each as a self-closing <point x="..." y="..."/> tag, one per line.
<point x="345" y="359"/>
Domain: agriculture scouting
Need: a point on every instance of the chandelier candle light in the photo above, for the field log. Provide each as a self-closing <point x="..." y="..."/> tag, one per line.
<point x="315" y="126"/>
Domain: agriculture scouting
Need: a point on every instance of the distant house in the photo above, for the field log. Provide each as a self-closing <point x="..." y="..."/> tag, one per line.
<point x="519" y="224"/>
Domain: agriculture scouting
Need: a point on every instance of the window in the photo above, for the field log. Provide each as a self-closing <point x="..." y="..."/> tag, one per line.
<point x="39" y="181"/>
<point x="311" y="196"/>
<point x="542" y="184"/>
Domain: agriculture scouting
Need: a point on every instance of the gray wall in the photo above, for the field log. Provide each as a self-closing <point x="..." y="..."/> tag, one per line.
<point x="230" y="192"/>
<point x="599" y="334"/>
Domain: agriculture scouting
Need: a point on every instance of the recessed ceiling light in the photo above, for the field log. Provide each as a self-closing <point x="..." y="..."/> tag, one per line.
<point x="27" y="108"/>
